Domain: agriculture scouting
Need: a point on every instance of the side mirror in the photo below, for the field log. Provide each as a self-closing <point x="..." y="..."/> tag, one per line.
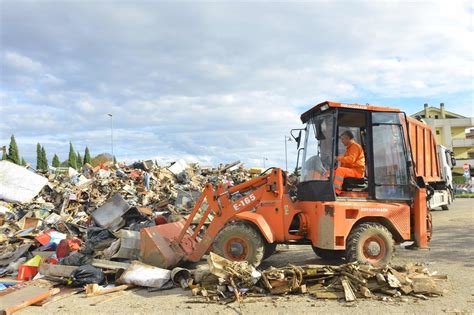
<point x="453" y="160"/>
<point x="298" y="140"/>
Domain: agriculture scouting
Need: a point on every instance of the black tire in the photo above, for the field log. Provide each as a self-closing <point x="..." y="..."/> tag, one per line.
<point x="239" y="241"/>
<point x="328" y="254"/>
<point x="370" y="243"/>
<point x="269" y="250"/>
<point x="445" y="207"/>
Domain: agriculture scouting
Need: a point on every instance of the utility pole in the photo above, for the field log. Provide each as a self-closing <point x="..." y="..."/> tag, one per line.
<point x="112" y="134"/>
<point x="264" y="159"/>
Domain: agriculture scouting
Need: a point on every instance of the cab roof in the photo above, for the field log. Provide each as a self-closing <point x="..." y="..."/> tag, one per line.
<point x="318" y="108"/>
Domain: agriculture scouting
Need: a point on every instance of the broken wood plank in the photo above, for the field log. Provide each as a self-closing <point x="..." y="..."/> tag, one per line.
<point x="348" y="292"/>
<point x="328" y="294"/>
<point x="365" y="292"/>
<point x="23" y="301"/>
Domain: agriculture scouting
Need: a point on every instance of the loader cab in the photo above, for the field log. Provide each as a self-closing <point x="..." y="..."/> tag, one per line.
<point x="382" y="136"/>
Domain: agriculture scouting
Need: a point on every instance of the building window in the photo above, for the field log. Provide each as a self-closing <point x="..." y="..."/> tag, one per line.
<point x="422" y="116"/>
<point x="437" y="132"/>
<point x="436" y="116"/>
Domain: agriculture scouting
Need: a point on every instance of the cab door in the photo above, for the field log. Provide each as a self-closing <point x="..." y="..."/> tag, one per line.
<point x="391" y="179"/>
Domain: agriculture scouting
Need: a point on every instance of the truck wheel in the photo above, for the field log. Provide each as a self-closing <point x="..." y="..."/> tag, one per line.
<point x="239" y="241"/>
<point x="328" y="254"/>
<point x="370" y="243"/>
<point x="269" y="250"/>
<point x="445" y="207"/>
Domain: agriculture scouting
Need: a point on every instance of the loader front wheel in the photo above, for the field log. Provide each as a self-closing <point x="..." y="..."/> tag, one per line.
<point x="370" y="243"/>
<point x="239" y="241"/>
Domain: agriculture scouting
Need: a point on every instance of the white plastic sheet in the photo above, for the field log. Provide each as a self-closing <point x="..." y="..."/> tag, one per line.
<point x="17" y="184"/>
<point x="145" y="275"/>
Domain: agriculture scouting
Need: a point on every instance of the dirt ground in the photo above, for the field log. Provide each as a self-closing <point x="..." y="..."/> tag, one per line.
<point x="451" y="253"/>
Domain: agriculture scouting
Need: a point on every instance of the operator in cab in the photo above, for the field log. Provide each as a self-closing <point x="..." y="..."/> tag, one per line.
<point x="352" y="163"/>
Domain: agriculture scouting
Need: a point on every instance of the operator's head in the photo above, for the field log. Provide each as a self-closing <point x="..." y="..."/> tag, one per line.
<point x="347" y="137"/>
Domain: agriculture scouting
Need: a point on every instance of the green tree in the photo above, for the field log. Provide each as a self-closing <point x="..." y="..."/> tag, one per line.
<point x="79" y="160"/>
<point x="13" y="155"/>
<point x="115" y="160"/>
<point x="56" y="161"/>
<point x="44" y="159"/>
<point x="39" y="156"/>
<point x="87" y="156"/>
<point x="72" y="157"/>
<point x="23" y="162"/>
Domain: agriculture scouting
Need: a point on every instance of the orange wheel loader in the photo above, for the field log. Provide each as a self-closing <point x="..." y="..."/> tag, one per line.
<point x="387" y="206"/>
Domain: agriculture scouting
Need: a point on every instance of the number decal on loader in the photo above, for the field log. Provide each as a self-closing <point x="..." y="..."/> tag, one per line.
<point x="244" y="202"/>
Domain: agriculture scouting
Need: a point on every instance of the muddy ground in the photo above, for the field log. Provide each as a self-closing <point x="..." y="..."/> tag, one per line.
<point x="451" y="253"/>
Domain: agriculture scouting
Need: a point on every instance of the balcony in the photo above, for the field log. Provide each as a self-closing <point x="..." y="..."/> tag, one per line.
<point x="457" y="122"/>
<point x="461" y="143"/>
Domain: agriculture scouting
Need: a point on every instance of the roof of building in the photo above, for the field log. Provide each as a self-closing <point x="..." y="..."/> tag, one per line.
<point x="449" y="115"/>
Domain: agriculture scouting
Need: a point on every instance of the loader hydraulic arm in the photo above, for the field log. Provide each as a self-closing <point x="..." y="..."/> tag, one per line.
<point x="217" y="208"/>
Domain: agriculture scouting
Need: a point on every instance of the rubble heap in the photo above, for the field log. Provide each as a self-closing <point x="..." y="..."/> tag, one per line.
<point x="350" y="281"/>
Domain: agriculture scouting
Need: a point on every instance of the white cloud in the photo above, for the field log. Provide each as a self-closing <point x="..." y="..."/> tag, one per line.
<point x="21" y="62"/>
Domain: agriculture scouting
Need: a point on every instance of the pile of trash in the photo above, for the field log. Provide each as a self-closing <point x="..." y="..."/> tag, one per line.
<point x="233" y="280"/>
<point x="73" y="217"/>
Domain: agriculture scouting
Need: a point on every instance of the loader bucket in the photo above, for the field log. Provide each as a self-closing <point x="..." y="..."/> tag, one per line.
<point x="157" y="248"/>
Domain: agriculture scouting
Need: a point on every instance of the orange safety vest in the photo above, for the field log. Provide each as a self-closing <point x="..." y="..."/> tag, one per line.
<point x="353" y="158"/>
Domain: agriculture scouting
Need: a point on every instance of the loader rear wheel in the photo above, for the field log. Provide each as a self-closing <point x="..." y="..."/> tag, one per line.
<point x="239" y="241"/>
<point x="328" y="254"/>
<point x="370" y="243"/>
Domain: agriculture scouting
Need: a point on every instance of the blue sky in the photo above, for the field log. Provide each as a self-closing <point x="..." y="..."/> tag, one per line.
<point x="218" y="81"/>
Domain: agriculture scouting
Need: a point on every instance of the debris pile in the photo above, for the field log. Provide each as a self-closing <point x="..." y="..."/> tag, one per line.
<point x="233" y="280"/>
<point x="89" y="222"/>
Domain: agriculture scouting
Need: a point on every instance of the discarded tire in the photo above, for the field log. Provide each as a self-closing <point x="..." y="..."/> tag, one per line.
<point x="328" y="254"/>
<point x="370" y="243"/>
<point x="239" y="241"/>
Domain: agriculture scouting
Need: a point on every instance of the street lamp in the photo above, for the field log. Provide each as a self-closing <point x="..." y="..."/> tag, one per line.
<point x="287" y="139"/>
<point x="111" y="134"/>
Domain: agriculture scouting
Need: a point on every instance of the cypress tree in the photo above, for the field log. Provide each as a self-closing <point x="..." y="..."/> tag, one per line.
<point x="44" y="160"/>
<point x="115" y="160"/>
<point x="23" y="162"/>
<point x="39" y="162"/>
<point x="79" y="160"/>
<point x="13" y="155"/>
<point x="55" y="162"/>
<point x="72" y="157"/>
<point x="87" y="156"/>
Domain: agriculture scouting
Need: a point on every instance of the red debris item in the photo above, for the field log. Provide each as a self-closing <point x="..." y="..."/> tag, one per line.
<point x="135" y="175"/>
<point x="27" y="273"/>
<point x="44" y="238"/>
<point x="160" y="220"/>
<point x="65" y="247"/>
